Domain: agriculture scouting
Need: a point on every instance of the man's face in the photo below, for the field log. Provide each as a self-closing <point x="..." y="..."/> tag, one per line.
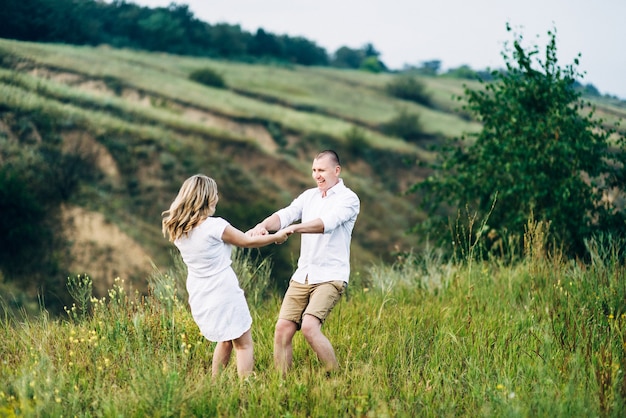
<point x="325" y="173"/>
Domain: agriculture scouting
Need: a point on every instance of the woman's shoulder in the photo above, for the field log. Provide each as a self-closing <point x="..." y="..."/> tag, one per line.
<point x="214" y="225"/>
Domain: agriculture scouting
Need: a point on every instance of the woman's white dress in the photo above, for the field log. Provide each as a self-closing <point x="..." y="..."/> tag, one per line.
<point x="218" y="304"/>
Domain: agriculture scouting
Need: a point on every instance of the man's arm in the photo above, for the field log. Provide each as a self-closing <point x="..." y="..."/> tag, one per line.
<point x="271" y="223"/>
<point x="316" y="226"/>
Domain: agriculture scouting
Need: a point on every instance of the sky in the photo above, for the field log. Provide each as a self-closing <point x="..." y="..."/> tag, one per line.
<point x="456" y="32"/>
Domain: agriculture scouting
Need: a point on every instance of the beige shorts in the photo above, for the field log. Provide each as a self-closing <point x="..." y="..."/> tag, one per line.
<point x="312" y="299"/>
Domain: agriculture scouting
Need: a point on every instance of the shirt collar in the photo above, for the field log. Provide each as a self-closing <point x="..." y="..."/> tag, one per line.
<point x="335" y="189"/>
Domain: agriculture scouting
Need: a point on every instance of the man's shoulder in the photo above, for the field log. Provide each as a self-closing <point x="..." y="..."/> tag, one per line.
<point x="309" y="192"/>
<point x="347" y="191"/>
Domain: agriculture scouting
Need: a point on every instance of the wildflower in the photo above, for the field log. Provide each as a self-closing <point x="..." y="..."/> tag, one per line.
<point x="610" y="316"/>
<point x="500" y="386"/>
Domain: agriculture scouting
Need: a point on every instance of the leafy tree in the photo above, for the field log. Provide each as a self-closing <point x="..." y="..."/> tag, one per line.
<point x="370" y="51"/>
<point x="300" y="50"/>
<point x="266" y="44"/>
<point x="228" y="40"/>
<point x="160" y="32"/>
<point x="372" y="64"/>
<point x="540" y="154"/>
<point x="365" y="58"/>
<point x="463" y="71"/>
<point x="171" y="29"/>
<point x="345" y="57"/>
<point x="431" y="67"/>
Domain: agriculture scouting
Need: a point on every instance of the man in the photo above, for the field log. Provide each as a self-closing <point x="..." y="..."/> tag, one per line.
<point x="327" y="214"/>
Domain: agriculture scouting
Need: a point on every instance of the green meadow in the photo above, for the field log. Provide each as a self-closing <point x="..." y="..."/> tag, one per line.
<point x="417" y="334"/>
<point x="540" y="337"/>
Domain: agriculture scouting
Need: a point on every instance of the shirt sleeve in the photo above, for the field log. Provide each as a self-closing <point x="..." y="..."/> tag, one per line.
<point x="217" y="228"/>
<point x="346" y="209"/>
<point x="293" y="212"/>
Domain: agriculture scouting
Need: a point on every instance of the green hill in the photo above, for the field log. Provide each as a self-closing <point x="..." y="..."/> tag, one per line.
<point x="147" y="127"/>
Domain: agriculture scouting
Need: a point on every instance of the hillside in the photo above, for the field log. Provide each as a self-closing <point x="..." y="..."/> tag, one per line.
<point x="148" y="127"/>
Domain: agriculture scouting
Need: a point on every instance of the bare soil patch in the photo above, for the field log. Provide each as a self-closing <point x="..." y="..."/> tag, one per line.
<point x="103" y="251"/>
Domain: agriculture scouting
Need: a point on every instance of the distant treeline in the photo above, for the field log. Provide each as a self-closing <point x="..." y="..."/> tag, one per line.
<point x="172" y="29"/>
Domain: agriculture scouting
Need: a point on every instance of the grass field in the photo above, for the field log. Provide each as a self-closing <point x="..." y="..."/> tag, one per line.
<point x="542" y="337"/>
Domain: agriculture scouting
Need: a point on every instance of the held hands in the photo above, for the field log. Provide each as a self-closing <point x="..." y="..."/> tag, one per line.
<point x="282" y="235"/>
<point x="257" y="230"/>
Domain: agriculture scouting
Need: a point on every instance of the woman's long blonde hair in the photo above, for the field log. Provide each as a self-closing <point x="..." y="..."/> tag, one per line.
<point x="196" y="201"/>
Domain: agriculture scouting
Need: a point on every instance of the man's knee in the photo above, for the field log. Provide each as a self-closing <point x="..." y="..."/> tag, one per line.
<point x="284" y="330"/>
<point x="310" y="326"/>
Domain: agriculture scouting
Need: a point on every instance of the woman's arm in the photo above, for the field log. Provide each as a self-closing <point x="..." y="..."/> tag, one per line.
<point x="232" y="235"/>
<point x="271" y="223"/>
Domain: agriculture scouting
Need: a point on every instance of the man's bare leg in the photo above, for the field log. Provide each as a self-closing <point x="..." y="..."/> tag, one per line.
<point x="312" y="331"/>
<point x="283" y="346"/>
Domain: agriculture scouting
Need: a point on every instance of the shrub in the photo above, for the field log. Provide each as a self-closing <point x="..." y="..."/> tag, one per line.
<point x="208" y="77"/>
<point x="405" y="125"/>
<point x="356" y="141"/>
<point x="408" y="87"/>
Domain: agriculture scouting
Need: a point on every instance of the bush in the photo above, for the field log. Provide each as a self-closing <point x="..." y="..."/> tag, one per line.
<point x="405" y="125"/>
<point x="356" y="142"/>
<point x="208" y="77"/>
<point x="407" y="87"/>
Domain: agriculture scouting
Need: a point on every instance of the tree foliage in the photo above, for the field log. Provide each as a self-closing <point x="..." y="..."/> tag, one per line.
<point x="366" y="58"/>
<point x="172" y="29"/>
<point x="541" y="153"/>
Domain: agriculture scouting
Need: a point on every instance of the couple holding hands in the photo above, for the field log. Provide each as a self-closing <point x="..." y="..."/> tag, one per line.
<point x="327" y="214"/>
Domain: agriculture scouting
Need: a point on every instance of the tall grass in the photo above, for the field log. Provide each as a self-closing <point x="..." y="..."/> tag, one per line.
<point x="542" y="337"/>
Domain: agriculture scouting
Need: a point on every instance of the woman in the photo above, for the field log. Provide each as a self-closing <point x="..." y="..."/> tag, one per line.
<point x="217" y="303"/>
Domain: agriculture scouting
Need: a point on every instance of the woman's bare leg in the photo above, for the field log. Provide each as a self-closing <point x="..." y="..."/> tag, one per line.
<point x="221" y="356"/>
<point x="244" y="351"/>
